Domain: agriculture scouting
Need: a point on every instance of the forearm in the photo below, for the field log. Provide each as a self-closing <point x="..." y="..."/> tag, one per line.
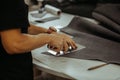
<point x="27" y="43"/>
<point x="19" y="43"/>
<point x="36" y="30"/>
<point x="30" y="42"/>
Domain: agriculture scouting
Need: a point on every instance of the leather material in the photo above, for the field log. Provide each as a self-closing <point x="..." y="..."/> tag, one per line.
<point x="109" y="16"/>
<point x="101" y="43"/>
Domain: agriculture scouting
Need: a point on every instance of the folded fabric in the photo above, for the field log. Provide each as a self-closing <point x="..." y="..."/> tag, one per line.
<point x="96" y="39"/>
<point x="109" y="16"/>
<point x="111" y="11"/>
<point x="82" y="25"/>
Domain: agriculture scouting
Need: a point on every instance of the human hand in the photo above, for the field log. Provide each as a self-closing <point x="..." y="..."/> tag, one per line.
<point x="51" y="30"/>
<point x="55" y="43"/>
<point x="66" y="43"/>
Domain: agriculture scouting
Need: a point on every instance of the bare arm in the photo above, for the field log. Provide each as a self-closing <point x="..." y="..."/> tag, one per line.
<point x="15" y="42"/>
<point x="36" y="30"/>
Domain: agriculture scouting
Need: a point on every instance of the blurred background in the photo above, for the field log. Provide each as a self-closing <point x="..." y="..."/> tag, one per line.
<point x="76" y="7"/>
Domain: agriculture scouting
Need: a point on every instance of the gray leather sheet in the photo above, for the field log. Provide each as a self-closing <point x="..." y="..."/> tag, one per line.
<point x="101" y="43"/>
<point x="108" y="15"/>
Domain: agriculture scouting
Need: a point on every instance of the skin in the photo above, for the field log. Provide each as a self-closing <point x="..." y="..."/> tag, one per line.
<point x="19" y="43"/>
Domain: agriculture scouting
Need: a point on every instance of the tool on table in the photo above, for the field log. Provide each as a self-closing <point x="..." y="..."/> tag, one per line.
<point x="61" y="52"/>
<point x="98" y="66"/>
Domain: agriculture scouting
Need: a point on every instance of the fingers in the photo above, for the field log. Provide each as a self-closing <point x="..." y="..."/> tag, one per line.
<point x="57" y="47"/>
<point x="69" y="45"/>
<point x="51" y="30"/>
<point x="60" y="43"/>
<point x="65" y="46"/>
<point x="69" y="41"/>
<point x="73" y="45"/>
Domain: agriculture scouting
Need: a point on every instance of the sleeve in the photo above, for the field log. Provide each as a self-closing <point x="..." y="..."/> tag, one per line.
<point x="14" y="14"/>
